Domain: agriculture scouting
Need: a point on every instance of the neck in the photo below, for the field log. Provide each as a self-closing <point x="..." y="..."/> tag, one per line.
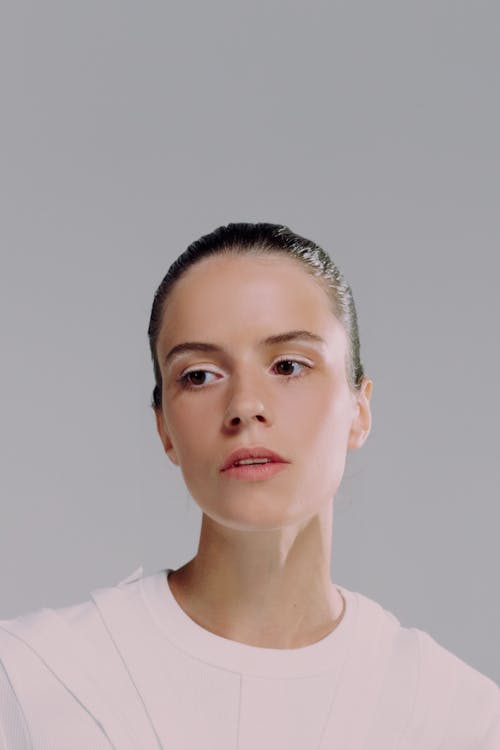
<point x="260" y="592"/>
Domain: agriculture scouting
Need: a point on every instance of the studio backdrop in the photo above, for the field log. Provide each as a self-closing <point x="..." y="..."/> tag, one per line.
<point x="128" y="130"/>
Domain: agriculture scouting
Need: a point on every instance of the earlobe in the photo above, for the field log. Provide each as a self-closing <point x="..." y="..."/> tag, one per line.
<point x="166" y="442"/>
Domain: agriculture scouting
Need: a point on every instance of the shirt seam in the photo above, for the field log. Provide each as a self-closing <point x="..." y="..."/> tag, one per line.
<point x="130" y="676"/>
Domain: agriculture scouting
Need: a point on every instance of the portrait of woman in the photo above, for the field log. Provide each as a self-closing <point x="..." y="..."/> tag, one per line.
<point x="260" y="394"/>
<point x="248" y="325"/>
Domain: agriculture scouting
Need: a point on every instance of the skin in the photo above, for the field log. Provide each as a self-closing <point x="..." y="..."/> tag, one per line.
<point x="261" y="575"/>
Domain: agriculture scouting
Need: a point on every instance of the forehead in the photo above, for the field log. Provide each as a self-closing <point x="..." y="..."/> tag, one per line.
<point x="223" y="296"/>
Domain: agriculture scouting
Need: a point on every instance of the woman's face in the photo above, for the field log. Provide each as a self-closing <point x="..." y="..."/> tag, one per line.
<point x="302" y="410"/>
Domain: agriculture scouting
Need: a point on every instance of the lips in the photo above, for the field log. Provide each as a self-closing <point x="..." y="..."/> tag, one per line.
<point x="257" y="451"/>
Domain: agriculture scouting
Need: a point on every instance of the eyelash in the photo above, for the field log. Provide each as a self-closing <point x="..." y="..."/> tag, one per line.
<point x="190" y="387"/>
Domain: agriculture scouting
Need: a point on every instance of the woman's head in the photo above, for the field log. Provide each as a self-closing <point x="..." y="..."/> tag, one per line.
<point x="238" y="293"/>
<point x="263" y="240"/>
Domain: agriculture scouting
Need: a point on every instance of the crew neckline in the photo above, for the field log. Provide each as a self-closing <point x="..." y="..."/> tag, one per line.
<point x="325" y="655"/>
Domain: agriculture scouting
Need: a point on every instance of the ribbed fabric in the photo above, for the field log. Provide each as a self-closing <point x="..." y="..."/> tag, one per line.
<point x="13" y="728"/>
<point x="129" y="669"/>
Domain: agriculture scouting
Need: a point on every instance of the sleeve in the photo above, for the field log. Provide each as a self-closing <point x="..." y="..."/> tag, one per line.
<point x="491" y="740"/>
<point x="14" y="733"/>
<point x="458" y="707"/>
<point x="474" y="719"/>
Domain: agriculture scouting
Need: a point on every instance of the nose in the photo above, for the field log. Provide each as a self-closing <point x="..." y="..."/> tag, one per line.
<point x="245" y="405"/>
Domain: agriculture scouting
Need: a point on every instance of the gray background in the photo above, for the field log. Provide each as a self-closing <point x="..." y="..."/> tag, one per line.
<point x="129" y="129"/>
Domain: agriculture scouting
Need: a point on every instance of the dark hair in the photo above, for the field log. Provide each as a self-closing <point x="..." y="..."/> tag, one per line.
<point x="264" y="239"/>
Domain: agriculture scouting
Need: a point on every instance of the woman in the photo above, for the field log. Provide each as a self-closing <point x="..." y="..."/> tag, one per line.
<point x="260" y="393"/>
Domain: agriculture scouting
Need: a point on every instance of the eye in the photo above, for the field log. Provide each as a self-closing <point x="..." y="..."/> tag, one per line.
<point x="291" y="362"/>
<point x="187" y="384"/>
<point x="197" y="386"/>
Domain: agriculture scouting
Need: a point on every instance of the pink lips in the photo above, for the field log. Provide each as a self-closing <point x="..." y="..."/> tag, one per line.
<point x="257" y="451"/>
<point x="255" y="472"/>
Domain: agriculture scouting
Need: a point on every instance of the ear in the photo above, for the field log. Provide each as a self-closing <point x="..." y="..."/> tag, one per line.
<point x="361" y="424"/>
<point x="162" y="432"/>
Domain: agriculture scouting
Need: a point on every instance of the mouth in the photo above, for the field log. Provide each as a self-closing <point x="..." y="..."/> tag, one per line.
<point x="256" y="454"/>
<point x="256" y="471"/>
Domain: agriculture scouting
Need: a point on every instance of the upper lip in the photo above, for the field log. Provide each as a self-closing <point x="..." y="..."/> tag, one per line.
<point x="255" y="451"/>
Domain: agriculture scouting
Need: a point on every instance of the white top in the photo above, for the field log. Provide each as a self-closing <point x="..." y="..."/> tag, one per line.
<point x="129" y="669"/>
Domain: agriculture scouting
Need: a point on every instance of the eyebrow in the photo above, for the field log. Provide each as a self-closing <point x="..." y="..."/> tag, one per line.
<point x="202" y="346"/>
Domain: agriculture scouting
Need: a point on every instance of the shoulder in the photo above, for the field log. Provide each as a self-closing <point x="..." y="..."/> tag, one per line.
<point x="437" y="666"/>
<point x="47" y="628"/>
<point x="60" y="662"/>
<point x="34" y="643"/>
<point x="455" y="705"/>
<point x="31" y="693"/>
<point x="474" y="698"/>
<point x="443" y="701"/>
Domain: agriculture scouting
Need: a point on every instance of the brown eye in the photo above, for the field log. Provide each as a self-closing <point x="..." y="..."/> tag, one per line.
<point x="191" y="379"/>
<point x="287" y="363"/>
<point x="196" y="375"/>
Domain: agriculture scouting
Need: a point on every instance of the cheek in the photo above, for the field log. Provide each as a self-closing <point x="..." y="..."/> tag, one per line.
<point x="325" y="413"/>
<point x="327" y="440"/>
<point x="195" y="425"/>
<point x="325" y="451"/>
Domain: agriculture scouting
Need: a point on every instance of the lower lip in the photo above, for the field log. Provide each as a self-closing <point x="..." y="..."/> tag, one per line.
<point x="255" y="471"/>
